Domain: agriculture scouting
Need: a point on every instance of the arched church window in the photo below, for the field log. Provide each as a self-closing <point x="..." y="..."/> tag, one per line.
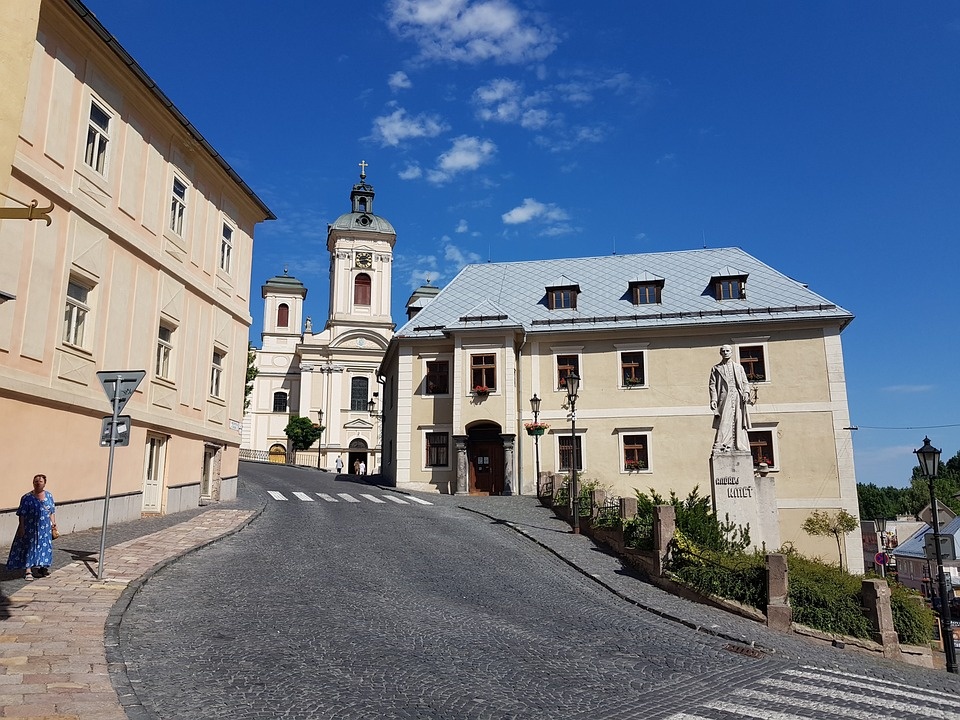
<point x="280" y="402"/>
<point x="361" y="289"/>
<point x="283" y="315"/>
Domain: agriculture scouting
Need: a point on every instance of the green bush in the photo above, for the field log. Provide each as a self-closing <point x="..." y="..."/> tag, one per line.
<point x="826" y="597"/>
<point x="912" y="619"/>
<point x="735" y="576"/>
<point x="638" y="533"/>
<point x="697" y="521"/>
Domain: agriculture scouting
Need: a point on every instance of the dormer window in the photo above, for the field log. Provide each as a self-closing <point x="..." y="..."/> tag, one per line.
<point x="646" y="293"/>
<point x="561" y="297"/>
<point x="729" y="284"/>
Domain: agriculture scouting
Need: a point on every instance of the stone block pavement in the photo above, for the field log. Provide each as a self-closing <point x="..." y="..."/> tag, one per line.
<point x="53" y="652"/>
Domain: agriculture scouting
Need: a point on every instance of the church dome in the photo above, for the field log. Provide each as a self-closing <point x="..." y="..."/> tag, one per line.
<point x="362" y="221"/>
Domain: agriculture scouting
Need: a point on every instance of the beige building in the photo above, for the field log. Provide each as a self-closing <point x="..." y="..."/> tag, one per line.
<point x="144" y="265"/>
<point x="642" y="332"/>
<point x="328" y="376"/>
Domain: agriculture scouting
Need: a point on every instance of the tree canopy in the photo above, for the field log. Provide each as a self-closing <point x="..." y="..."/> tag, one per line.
<point x="301" y="432"/>
<point x="888" y="502"/>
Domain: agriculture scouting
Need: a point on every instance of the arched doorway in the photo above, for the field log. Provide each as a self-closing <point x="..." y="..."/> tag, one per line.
<point x="357" y="453"/>
<point x="278" y="454"/>
<point x="485" y="458"/>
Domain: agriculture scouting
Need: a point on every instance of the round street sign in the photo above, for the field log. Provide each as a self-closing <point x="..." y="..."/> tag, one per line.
<point x="881" y="558"/>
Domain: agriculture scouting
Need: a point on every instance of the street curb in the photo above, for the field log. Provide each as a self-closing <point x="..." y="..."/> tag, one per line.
<point x="633" y="601"/>
<point x="116" y="664"/>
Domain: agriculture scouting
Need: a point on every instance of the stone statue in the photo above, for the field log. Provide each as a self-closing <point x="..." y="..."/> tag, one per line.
<point x="729" y="396"/>
<point x="308" y="325"/>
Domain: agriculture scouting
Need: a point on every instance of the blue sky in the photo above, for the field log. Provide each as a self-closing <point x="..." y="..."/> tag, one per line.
<point x="820" y="137"/>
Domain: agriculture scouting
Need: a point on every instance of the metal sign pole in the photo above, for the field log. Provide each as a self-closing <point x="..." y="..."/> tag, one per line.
<point x="106" y="497"/>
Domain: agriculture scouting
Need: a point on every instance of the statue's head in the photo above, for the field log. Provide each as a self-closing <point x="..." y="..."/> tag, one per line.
<point x="726" y="351"/>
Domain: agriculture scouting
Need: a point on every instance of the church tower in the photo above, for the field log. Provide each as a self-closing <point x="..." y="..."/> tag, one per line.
<point x="361" y="258"/>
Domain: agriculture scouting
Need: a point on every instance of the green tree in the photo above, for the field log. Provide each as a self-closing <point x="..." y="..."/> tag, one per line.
<point x="824" y="524"/>
<point x="252" y="373"/>
<point x="302" y="433"/>
<point x="881" y="502"/>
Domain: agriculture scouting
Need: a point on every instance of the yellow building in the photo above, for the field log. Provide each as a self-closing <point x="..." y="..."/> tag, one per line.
<point x="144" y="265"/>
<point x="642" y="332"/>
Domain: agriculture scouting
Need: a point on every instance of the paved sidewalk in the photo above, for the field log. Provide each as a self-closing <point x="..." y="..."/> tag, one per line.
<point x="53" y="660"/>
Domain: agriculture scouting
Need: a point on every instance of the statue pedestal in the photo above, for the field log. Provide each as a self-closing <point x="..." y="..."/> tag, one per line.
<point x="745" y="498"/>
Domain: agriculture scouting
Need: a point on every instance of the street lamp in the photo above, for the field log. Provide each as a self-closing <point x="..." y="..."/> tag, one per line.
<point x="535" y="406"/>
<point x="929" y="458"/>
<point x="573" y="385"/>
<point x="319" y="439"/>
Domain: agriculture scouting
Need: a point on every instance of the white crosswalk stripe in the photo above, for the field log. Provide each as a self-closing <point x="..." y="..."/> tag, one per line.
<point x="827" y="694"/>
<point x="347" y="497"/>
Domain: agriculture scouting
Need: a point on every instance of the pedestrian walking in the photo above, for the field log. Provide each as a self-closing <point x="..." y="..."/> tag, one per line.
<point x="363" y="468"/>
<point x="339" y="464"/>
<point x="356" y="467"/>
<point x="32" y="548"/>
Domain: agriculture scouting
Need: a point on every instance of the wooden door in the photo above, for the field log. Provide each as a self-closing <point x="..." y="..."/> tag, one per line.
<point x="486" y="468"/>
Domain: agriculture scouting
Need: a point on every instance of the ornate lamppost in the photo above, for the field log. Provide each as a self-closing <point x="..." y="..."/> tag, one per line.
<point x="535" y="406"/>
<point x="573" y="386"/>
<point x="319" y="439"/>
<point x="929" y="458"/>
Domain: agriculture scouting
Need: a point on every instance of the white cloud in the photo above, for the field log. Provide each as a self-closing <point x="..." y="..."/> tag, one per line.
<point x="399" y="81"/>
<point x="471" y="32"/>
<point x="466" y="153"/>
<point x="460" y="257"/>
<point x="503" y="100"/>
<point x="531" y="209"/>
<point x="411" y="172"/>
<point x="396" y="127"/>
<point x="462" y="227"/>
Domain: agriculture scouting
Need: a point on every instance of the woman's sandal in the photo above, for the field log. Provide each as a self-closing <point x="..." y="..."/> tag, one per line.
<point x="28" y="576"/>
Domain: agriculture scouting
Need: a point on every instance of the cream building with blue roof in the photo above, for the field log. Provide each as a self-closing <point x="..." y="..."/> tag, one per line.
<point x="643" y="332"/>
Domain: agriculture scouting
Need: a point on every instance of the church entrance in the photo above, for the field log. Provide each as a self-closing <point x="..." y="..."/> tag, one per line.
<point x="357" y="454"/>
<point x="485" y="457"/>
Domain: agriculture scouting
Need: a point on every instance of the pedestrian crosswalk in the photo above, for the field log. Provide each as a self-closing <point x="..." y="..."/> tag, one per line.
<point x="805" y="692"/>
<point x="348" y="498"/>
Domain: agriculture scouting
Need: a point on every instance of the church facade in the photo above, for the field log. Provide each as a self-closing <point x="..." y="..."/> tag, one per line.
<point x="329" y="376"/>
<point x="490" y="353"/>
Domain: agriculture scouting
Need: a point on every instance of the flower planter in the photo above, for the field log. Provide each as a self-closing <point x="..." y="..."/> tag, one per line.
<point x="536" y="431"/>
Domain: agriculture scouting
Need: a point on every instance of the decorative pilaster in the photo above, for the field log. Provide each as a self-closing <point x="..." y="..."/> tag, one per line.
<point x="508" y="463"/>
<point x="463" y="465"/>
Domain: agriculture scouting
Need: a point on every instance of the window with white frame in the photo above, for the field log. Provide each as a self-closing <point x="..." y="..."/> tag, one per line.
<point x="75" y="313"/>
<point x="437" y="381"/>
<point x="635" y="451"/>
<point x="226" y="248"/>
<point x="178" y="205"/>
<point x="566" y="446"/>
<point x="567" y="365"/>
<point x="483" y="372"/>
<point x="633" y="372"/>
<point x="216" y="374"/>
<point x="163" y="367"/>
<point x="753" y="359"/>
<point x="437" y="449"/>
<point x="762" y="447"/>
<point x="280" y="402"/>
<point x="98" y="136"/>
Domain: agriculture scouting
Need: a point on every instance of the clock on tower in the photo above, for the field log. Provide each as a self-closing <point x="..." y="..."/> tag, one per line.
<point x="364" y="260"/>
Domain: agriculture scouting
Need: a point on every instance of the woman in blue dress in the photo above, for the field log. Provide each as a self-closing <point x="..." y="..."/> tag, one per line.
<point x="32" y="548"/>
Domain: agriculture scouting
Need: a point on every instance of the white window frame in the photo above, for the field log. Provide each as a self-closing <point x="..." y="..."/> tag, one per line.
<point x="77" y="313"/>
<point x="424" y="431"/>
<point x="644" y="349"/>
<point x="772" y="428"/>
<point x="621" y="434"/>
<point x="561" y="433"/>
<point x="557" y="351"/>
<point x="761" y="342"/>
<point x="178" y="204"/>
<point x="97" y="142"/>
<point x="425" y="360"/>
<point x="216" y="373"/>
<point x="227" y="232"/>
<point x="163" y="366"/>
